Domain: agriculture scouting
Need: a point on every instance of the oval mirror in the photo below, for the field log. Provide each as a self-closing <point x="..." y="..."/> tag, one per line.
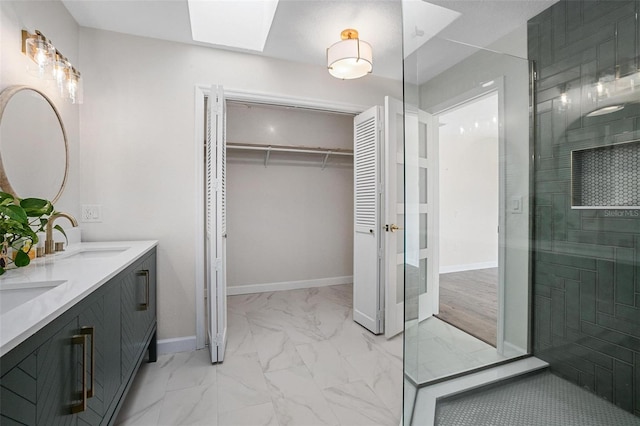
<point x="34" y="153"/>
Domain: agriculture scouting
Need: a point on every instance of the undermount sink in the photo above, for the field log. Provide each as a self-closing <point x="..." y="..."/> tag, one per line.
<point x="96" y="253"/>
<point x="15" y="294"/>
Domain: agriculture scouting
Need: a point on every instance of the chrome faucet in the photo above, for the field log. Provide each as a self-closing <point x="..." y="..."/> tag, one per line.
<point x="49" y="246"/>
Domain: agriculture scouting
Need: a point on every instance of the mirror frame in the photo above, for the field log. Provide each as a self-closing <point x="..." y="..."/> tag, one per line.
<point x="5" y="97"/>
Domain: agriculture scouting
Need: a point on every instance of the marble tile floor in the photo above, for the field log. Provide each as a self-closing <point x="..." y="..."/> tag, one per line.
<point x="293" y="358"/>
<point x="436" y="349"/>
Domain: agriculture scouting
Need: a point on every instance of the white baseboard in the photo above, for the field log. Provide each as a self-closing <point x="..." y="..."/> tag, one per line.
<point x="468" y="267"/>
<point x="287" y="285"/>
<point x="180" y="344"/>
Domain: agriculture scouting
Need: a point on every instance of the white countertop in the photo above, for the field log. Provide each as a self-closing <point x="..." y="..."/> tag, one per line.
<point x="81" y="275"/>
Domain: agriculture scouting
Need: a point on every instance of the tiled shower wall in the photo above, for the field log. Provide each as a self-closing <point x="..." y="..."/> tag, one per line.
<point x="586" y="284"/>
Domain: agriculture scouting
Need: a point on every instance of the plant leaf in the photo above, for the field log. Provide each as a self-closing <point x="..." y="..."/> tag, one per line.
<point x="22" y="259"/>
<point x="14" y="212"/>
<point x="1" y="270"/>
<point x="6" y="196"/>
<point x="35" y="207"/>
<point x="61" y="229"/>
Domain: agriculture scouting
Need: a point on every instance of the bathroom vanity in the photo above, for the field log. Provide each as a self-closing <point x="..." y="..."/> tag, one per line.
<point x="74" y="329"/>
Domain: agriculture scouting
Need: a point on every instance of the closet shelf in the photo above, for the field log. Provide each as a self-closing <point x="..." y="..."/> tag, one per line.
<point x="268" y="149"/>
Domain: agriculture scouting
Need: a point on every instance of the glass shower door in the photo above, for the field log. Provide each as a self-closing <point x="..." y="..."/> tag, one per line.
<point x="467" y="181"/>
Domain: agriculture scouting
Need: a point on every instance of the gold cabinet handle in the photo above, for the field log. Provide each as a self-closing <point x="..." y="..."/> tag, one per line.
<point x="81" y="339"/>
<point x="91" y="331"/>
<point x="145" y="305"/>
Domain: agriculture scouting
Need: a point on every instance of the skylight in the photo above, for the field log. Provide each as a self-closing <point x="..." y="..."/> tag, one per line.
<point x="241" y="24"/>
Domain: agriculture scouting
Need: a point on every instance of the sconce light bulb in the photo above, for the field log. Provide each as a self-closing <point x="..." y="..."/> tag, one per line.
<point x="564" y="99"/>
<point x="72" y="87"/>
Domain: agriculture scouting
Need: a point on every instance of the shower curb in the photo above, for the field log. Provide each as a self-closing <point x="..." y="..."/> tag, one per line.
<point x="425" y="406"/>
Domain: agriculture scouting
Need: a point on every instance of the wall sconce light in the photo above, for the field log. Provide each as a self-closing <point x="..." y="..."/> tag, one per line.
<point x="39" y="50"/>
<point x="50" y="63"/>
<point x="351" y="57"/>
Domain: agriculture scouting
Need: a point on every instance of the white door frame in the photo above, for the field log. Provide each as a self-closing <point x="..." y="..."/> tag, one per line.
<point x="456" y="101"/>
<point x="201" y="91"/>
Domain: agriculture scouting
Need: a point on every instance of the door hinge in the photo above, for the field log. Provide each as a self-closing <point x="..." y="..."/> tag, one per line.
<point x="218" y="339"/>
<point x="380" y="319"/>
<point x="218" y="264"/>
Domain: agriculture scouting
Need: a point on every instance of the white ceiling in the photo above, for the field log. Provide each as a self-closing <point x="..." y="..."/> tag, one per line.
<point x="303" y="29"/>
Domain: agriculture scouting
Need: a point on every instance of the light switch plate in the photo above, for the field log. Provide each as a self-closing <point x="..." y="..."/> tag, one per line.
<point x="516" y="205"/>
<point x="91" y="213"/>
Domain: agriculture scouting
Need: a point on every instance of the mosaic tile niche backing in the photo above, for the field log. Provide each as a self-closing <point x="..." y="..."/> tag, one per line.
<point x="607" y="176"/>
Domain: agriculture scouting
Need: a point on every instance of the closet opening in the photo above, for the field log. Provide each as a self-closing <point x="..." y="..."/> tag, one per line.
<point x="287" y="192"/>
<point x="289" y="197"/>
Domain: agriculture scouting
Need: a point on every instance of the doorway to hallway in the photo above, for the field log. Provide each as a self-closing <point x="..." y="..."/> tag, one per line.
<point x="469" y="194"/>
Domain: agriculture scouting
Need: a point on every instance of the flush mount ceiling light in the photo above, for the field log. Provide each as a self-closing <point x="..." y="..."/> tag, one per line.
<point x="605" y="110"/>
<point x="349" y="58"/>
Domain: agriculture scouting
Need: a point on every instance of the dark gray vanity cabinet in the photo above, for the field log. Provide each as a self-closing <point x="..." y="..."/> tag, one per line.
<point x="138" y="314"/>
<point x="43" y="380"/>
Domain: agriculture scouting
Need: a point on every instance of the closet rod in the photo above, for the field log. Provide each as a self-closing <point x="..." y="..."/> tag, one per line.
<point x="283" y="148"/>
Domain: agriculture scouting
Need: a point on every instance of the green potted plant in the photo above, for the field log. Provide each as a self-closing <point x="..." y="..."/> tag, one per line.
<point x="20" y="221"/>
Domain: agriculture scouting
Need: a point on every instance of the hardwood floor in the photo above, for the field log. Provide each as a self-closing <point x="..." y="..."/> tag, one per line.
<point x="469" y="301"/>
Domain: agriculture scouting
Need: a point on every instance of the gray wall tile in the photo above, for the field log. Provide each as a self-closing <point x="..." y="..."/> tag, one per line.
<point x="586" y="279"/>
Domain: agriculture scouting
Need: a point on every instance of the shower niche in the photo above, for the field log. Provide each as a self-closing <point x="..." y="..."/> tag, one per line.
<point x="606" y="177"/>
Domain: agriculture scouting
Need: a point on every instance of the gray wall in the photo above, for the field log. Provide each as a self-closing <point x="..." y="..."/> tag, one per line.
<point x="587" y="262"/>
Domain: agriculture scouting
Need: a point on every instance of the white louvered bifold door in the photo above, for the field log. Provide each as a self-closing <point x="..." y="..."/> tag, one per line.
<point x="221" y="222"/>
<point x="215" y="206"/>
<point x="367" y="297"/>
<point x="210" y="230"/>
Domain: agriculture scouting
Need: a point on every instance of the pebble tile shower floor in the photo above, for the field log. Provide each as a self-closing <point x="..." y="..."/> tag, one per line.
<point x="539" y="400"/>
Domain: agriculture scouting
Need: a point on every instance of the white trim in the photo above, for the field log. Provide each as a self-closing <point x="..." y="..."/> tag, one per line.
<point x="179" y="344"/>
<point x="425" y="405"/>
<point x="453" y="103"/>
<point x="201" y="90"/>
<point x="293" y="101"/>
<point x="199" y="219"/>
<point x="502" y="215"/>
<point x="511" y="350"/>
<point x="287" y="285"/>
<point x="468" y="267"/>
